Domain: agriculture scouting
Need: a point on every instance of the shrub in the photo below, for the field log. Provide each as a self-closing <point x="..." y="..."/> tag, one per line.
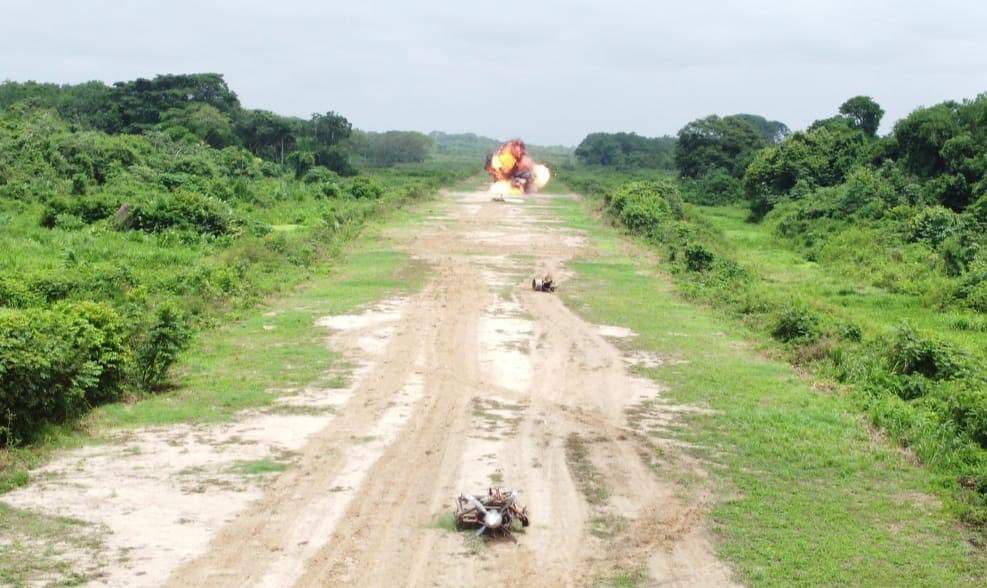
<point x="932" y="225"/>
<point x="978" y="212"/>
<point x="68" y="222"/>
<point x="14" y="294"/>
<point x="56" y="363"/>
<point x="958" y="251"/>
<point x="714" y="188"/>
<point x="319" y="174"/>
<point x="644" y="215"/>
<point x="850" y="332"/>
<point x="643" y="206"/>
<point x="183" y="210"/>
<point x="53" y="286"/>
<point x="330" y="190"/>
<point x="911" y="354"/>
<point x="269" y="169"/>
<point x="157" y="346"/>
<point x="698" y="258"/>
<point x="966" y="404"/>
<point x="87" y="209"/>
<point x="796" y="322"/>
<point x="363" y="187"/>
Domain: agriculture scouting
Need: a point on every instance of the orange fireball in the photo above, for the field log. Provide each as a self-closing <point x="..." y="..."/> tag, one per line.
<point x="513" y="171"/>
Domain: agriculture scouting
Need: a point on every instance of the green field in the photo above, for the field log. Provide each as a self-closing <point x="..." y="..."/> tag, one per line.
<point x="807" y="493"/>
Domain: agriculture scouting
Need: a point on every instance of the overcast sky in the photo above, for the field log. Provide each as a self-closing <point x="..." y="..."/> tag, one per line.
<point x="549" y="71"/>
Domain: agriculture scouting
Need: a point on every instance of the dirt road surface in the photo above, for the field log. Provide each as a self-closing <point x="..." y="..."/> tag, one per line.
<point x="475" y="381"/>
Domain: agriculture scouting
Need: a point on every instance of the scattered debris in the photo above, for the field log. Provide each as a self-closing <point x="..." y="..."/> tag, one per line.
<point x="493" y="513"/>
<point x="547" y="284"/>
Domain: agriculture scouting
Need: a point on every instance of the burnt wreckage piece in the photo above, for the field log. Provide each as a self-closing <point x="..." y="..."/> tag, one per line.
<point x="492" y="514"/>
<point x="546" y="284"/>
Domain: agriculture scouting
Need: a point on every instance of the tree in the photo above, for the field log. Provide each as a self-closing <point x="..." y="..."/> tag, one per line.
<point x="266" y="134"/>
<point x="139" y="104"/>
<point x="773" y="131"/>
<point x="392" y="147"/>
<point x="863" y="113"/>
<point x="922" y="135"/>
<point x="330" y="128"/>
<point x="626" y="150"/>
<point x="202" y="120"/>
<point x="816" y="158"/>
<point x="712" y="143"/>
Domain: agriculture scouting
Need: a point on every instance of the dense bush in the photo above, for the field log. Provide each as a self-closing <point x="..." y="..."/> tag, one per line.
<point x="364" y="187"/>
<point x="644" y="206"/>
<point x="817" y="158"/>
<point x="932" y="225"/>
<point x="320" y="174"/>
<point x="910" y="354"/>
<point x="88" y="209"/>
<point x="713" y="188"/>
<point x="796" y="322"/>
<point x="183" y="210"/>
<point x="698" y="258"/>
<point x="56" y="363"/>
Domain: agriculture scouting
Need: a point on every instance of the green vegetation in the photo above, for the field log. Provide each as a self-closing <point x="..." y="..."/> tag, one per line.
<point x="626" y="150"/>
<point x="258" y="467"/>
<point x="917" y="372"/>
<point x="867" y="266"/>
<point x="806" y="492"/>
<point x="275" y="349"/>
<point x="126" y="229"/>
<point x="390" y="148"/>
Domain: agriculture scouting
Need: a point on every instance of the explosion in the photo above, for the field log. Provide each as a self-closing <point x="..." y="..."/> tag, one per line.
<point x="513" y="170"/>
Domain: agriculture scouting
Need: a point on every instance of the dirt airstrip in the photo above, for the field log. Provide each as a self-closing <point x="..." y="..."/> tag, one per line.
<point x="474" y="381"/>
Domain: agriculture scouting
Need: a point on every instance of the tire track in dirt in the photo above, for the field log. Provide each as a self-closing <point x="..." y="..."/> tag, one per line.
<point x="475" y="381"/>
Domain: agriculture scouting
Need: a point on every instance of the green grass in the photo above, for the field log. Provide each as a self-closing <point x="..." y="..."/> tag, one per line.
<point x="807" y="495"/>
<point x="276" y="347"/>
<point x="258" y="467"/>
<point x="838" y="291"/>
<point x="623" y="579"/>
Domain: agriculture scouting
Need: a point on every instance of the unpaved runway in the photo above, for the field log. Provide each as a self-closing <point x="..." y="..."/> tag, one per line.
<point x="475" y="381"/>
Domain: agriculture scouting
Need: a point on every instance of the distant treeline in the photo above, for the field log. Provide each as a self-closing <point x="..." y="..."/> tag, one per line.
<point x="203" y="107"/>
<point x="474" y="147"/>
<point x="712" y="141"/>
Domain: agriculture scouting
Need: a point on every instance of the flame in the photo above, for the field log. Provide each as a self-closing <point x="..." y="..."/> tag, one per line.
<point x="541" y="175"/>
<point x="513" y="171"/>
<point x="504" y="188"/>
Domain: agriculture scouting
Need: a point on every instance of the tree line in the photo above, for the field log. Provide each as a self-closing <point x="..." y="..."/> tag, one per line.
<point x="203" y="107"/>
